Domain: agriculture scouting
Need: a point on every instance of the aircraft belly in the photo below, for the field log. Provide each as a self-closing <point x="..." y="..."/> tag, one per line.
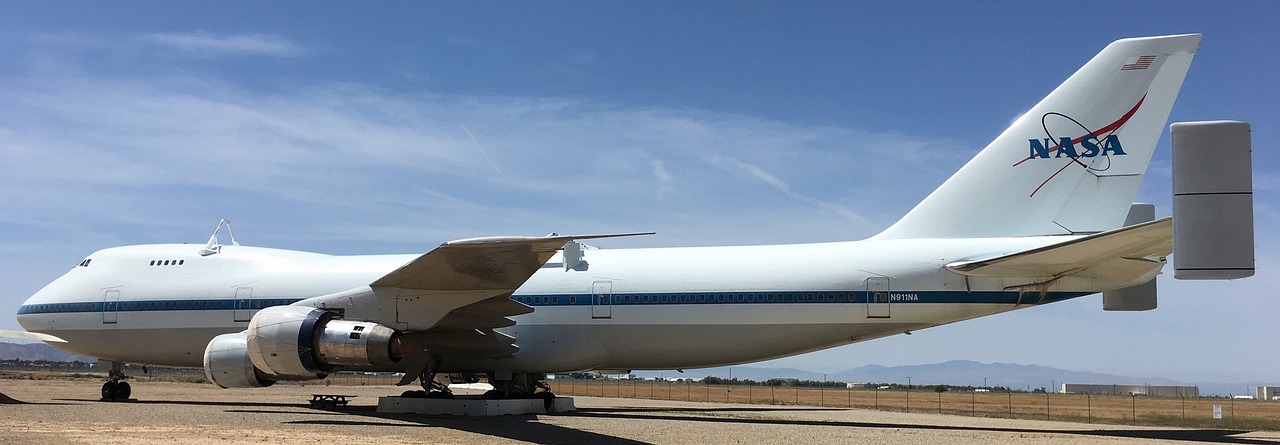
<point x="175" y="338"/>
<point x="667" y="337"/>
<point x="180" y="347"/>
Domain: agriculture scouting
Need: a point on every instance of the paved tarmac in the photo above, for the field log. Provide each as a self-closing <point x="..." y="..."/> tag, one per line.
<point x="58" y="412"/>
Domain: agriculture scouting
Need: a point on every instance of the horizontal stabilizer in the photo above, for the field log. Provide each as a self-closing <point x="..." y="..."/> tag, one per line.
<point x="1128" y="255"/>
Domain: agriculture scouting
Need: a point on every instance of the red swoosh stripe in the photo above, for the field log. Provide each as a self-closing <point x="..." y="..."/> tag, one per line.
<point x="1106" y="129"/>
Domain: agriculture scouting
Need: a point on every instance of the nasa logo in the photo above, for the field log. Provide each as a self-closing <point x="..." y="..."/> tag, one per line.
<point x="1092" y="145"/>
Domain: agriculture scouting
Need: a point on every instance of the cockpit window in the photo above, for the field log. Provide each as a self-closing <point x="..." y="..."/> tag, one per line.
<point x="85" y="263"/>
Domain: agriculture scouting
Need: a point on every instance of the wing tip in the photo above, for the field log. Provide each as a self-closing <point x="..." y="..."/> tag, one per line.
<point x="24" y="335"/>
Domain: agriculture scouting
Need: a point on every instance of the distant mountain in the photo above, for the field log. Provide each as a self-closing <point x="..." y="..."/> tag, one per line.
<point x="38" y="351"/>
<point x="971" y="373"/>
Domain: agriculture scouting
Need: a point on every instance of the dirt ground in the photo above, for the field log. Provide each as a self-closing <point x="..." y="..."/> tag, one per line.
<point x="61" y="411"/>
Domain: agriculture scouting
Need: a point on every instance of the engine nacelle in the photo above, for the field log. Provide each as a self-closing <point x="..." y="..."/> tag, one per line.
<point x="227" y="364"/>
<point x="298" y="341"/>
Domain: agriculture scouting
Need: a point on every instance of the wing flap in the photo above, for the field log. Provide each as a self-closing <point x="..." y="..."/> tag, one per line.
<point x="470" y="343"/>
<point x="458" y="293"/>
<point x="1125" y="254"/>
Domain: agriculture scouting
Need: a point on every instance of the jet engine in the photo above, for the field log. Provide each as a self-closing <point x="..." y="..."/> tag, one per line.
<point x="227" y="364"/>
<point x="305" y="341"/>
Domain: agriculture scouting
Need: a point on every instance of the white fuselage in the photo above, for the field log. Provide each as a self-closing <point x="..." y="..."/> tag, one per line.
<point x="620" y="309"/>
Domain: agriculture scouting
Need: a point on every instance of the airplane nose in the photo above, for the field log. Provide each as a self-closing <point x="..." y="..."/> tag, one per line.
<point x="26" y="310"/>
<point x="33" y="314"/>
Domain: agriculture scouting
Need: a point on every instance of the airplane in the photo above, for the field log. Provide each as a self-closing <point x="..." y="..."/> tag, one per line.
<point x="1040" y="215"/>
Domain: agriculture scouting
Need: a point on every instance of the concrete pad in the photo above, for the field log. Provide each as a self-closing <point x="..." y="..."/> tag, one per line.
<point x="562" y="405"/>
<point x="471" y="406"/>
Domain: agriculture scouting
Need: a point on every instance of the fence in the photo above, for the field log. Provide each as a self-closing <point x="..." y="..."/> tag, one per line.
<point x="1130" y="410"/>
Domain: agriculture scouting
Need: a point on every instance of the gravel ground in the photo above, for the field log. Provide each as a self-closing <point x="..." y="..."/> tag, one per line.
<point x="59" y="412"/>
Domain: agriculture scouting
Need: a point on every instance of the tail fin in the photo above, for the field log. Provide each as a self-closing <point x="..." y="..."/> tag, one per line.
<point x="1074" y="162"/>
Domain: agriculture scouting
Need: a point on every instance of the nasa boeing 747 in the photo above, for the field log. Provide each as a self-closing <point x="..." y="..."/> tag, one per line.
<point x="1037" y="216"/>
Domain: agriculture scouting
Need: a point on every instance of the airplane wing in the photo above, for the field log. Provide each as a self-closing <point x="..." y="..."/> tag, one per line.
<point x="493" y="263"/>
<point x="1125" y="255"/>
<point x="23" y="335"/>
<point x="462" y="290"/>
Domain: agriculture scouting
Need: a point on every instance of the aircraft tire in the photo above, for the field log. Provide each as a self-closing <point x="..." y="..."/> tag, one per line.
<point x="123" y="390"/>
<point x="109" y="391"/>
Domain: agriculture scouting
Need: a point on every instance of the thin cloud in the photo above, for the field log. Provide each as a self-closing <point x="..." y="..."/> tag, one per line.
<point x="162" y="152"/>
<point x="210" y="45"/>
<point x="782" y="186"/>
<point x="666" y="182"/>
<point x="480" y="149"/>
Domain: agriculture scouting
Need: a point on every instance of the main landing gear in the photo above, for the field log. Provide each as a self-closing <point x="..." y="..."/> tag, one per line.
<point x="431" y="389"/>
<point x="116" y="389"/>
<point x="508" y="386"/>
<point x="521" y="386"/>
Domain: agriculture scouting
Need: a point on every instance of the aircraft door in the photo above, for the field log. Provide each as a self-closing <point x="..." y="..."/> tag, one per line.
<point x="243" y="304"/>
<point x="110" y="304"/>
<point x="601" y="294"/>
<point x="878" y="297"/>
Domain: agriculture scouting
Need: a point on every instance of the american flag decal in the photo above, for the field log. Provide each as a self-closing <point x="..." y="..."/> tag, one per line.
<point x="1140" y="63"/>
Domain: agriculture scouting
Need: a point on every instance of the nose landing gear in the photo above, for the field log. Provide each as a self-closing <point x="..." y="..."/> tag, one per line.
<point x="116" y="389"/>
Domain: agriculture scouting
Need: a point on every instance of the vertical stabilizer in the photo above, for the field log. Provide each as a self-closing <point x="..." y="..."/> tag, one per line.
<point x="1073" y="163"/>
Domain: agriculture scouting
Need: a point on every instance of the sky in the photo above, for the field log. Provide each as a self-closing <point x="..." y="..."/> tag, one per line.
<point x="348" y="128"/>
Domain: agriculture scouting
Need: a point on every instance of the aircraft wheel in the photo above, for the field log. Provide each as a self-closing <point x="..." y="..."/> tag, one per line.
<point x="547" y="397"/>
<point x="109" y="391"/>
<point x="123" y="390"/>
<point x="491" y="394"/>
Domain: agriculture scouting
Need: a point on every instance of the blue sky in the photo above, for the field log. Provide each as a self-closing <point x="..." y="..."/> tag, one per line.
<point x="358" y="128"/>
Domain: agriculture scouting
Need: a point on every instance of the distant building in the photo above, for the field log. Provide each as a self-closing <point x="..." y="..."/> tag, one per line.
<point x="1124" y="390"/>
<point x="1269" y="393"/>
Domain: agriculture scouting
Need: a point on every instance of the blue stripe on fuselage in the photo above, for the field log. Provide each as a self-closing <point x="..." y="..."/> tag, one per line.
<point x="617" y="299"/>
